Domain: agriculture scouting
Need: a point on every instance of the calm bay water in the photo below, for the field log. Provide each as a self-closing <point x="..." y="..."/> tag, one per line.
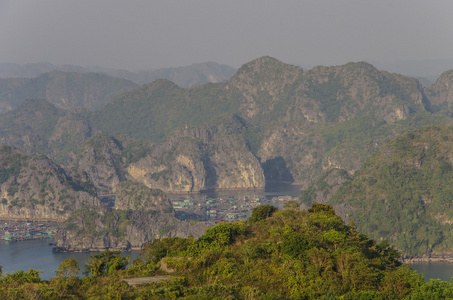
<point x="272" y="190"/>
<point x="38" y="255"/>
<point x="434" y="270"/>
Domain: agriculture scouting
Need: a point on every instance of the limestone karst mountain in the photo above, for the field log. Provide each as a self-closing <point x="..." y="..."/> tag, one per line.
<point x="296" y="124"/>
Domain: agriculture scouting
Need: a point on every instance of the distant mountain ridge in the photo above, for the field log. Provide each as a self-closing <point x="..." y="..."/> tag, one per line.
<point x="65" y="90"/>
<point x="91" y="88"/>
<point x="184" y="76"/>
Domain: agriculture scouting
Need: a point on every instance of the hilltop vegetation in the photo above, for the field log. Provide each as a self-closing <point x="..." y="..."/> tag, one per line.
<point x="289" y="254"/>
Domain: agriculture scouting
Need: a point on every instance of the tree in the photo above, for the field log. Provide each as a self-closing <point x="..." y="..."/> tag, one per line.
<point x="105" y="263"/>
<point x="261" y="213"/>
<point x="319" y="207"/>
<point x="68" y="268"/>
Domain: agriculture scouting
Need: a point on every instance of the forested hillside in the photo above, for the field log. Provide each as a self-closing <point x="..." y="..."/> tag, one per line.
<point x="403" y="193"/>
<point x="289" y="254"/>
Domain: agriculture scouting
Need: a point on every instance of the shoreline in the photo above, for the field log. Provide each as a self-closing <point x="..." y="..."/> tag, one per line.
<point x="445" y="258"/>
<point x="57" y="249"/>
<point x="257" y="189"/>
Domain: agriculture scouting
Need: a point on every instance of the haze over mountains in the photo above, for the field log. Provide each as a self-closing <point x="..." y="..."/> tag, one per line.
<point x="270" y="122"/>
<point x="185" y="76"/>
<point x="70" y="86"/>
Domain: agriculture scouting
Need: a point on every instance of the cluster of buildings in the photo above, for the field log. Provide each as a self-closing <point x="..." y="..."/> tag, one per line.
<point x="212" y="211"/>
<point x="208" y="210"/>
<point x="21" y="231"/>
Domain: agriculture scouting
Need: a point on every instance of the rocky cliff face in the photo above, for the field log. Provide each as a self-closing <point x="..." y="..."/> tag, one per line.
<point x="440" y="94"/>
<point x="34" y="188"/>
<point x="100" y="161"/>
<point x="297" y="124"/>
<point x="142" y="228"/>
<point x="197" y="159"/>
<point x="263" y="83"/>
<point x="136" y="196"/>
<point x="69" y="135"/>
<point x="296" y="114"/>
<point x="140" y="215"/>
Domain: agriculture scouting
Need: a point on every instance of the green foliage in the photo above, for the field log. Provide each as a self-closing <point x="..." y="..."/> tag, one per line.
<point x="293" y="255"/>
<point x="106" y="262"/>
<point x="135" y="150"/>
<point x="322" y="208"/>
<point x="68" y="268"/>
<point x="88" y="218"/>
<point x="156" y="175"/>
<point x="160" y="248"/>
<point x="165" y="229"/>
<point x="21" y="277"/>
<point x="261" y="213"/>
<point x="433" y="290"/>
<point x="154" y="110"/>
<point x="295" y="244"/>
<point x="11" y="165"/>
<point x="221" y="235"/>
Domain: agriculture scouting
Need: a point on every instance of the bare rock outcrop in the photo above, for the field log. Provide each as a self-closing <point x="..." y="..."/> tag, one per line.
<point x="199" y="159"/>
<point x="35" y="188"/>
<point x="140" y="216"/>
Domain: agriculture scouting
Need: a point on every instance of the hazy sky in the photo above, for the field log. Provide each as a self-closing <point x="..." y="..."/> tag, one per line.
<point x="151" y="34"/>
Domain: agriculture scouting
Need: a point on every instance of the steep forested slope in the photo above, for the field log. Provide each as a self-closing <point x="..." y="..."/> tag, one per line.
<point x="403" y="193"/>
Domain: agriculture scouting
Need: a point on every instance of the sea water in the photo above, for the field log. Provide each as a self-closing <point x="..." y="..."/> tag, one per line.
<point x="38" y="255"/>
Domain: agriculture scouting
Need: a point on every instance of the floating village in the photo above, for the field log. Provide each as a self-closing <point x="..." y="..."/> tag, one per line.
<point x="22" y="231"/>
<point x="208" y="210"/>
<point x="212" y="211"/>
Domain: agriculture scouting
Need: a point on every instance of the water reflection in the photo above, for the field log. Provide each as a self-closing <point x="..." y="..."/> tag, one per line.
<point x="434" y="270"/>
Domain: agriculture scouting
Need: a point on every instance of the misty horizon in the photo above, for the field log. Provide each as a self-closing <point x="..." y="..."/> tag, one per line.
<point x="158" y="34"/>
